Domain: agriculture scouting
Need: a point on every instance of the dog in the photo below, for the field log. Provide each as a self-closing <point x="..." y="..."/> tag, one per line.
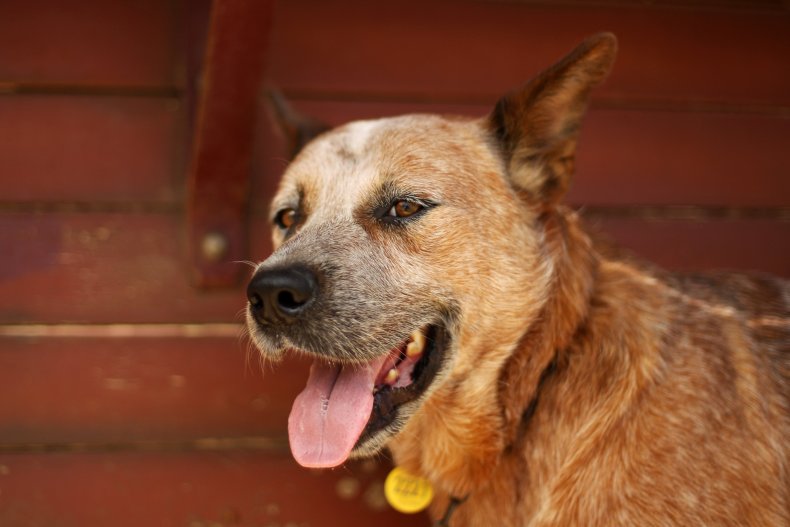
<point x="462" y="317"/>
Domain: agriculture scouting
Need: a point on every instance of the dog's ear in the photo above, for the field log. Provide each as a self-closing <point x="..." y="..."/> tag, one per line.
<point x="297" y="129"/>
<point x="537" y="125"/>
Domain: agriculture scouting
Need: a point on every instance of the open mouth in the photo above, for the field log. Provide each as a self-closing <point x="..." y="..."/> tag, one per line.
<point x="344" y="405"/>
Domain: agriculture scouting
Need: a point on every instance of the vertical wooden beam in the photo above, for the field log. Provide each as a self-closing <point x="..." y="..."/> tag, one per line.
<point x="222" y="142"/>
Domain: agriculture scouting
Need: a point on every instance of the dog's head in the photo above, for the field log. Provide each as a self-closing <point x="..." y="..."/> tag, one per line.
<point x="409" y="255"/>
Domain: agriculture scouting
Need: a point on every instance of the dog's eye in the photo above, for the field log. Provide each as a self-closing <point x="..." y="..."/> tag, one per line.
<point x="285" y="219"/>
<point x="404" y="209"/>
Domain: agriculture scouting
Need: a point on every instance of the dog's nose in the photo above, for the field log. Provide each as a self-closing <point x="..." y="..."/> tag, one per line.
<point x="279" y="296"/>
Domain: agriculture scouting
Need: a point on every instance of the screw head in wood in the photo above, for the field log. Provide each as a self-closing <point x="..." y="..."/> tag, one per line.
<point x="214" y="246"/>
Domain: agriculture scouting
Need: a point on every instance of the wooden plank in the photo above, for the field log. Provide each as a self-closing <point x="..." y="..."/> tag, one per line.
<point x="121" y="265"/>
<point x="743" y="245"/>
<point x="776" y="6"/>
<point x="476" y="50"/>
<point x="133" y="389"/>
<point x="92" y="42"/>
<point x="316" y="47"/>
<point x="632" y="157"/>
<point x="195" y="490"/>
<point x="682" y="158"/>
<point x="126" y="150"/>
<point x="72" y="267"/>
<point x="109" y="149"/>
<point x="105" y="268"/>
<point x="223" y="136"/>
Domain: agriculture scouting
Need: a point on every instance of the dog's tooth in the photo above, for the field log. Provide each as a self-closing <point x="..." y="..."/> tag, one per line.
<point x="392" y="376"/>
<point x="416" y="345"/>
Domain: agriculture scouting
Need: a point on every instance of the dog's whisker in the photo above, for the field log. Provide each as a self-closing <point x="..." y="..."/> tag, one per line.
<point x="246" y="262"/>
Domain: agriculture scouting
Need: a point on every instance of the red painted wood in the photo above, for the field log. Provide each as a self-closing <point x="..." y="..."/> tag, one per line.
<point x="128" y="150"/>
<point x="84" y="149"/>
<point x="91" y="42"/>
<point x="190" y="489"/>
<point x="702" y="54"/>
<point x="129" y="268"/>
<point x="756" y="245"/>
<point x="119" y="390"/>
<point x="219" y="172"/>
<point x="629" y="157"/>
<point x="476" y="50"/>
<point x="106" y="268"/>
<point x="632" y="157"/>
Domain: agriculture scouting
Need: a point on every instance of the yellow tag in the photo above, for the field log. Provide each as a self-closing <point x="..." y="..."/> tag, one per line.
<point x="406" y="492"/>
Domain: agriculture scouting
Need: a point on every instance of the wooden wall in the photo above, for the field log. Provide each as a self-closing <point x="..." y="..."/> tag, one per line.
<point x="127" y="395"/>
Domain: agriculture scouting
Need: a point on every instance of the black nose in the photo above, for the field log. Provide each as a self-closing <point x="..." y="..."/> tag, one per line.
<point x="279" y="296"/>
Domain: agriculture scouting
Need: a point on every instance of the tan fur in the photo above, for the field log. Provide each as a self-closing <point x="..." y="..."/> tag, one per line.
<point x="656" y="399"/>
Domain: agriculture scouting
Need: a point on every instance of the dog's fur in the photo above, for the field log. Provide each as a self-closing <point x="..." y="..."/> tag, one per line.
<point x="580" y="387"/>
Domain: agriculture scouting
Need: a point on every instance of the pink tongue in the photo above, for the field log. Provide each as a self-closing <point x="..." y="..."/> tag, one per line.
<point x="329" y="415"/>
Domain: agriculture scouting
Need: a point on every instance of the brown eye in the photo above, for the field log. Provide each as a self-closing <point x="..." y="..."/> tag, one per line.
<point x="404" y="209"/>
<point x="285" y="219"/>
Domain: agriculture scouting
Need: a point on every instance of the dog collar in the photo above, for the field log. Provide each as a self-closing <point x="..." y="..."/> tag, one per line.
<point x="454" y="504"/>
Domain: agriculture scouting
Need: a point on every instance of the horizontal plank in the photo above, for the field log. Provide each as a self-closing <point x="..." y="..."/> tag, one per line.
<point x="204" y="489"/>
<point x="682" y="158"/>
<point x="741" y="5"/>
<point x="73" y="267"/>
<point x="94" y="42"/>
<point x="103" y="268"/>
<point x="109" y="149"/>
<point x="121" y="150"/>
<point x="476" y="50"/>
<point x="632" y="157"/>
<point x="120" y="390"/>
<point x="737" y="245"/>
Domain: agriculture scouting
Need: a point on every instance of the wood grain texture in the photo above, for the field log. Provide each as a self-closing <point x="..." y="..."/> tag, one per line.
<point x="105" y="268"/>
<point x="189" y="489"/>
<point x="646" y="158"/>
<point x="126" y="390"/>
<point x="475" y="50"/>
<point x="85" y="149"/>
<point x="739" y="245"/>
<point x="89" y="43"/>
<point x="223" y="137"/>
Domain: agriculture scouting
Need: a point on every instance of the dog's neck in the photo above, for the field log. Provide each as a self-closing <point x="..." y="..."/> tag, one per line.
<point x="539" y="352"/>
<point x="456" y="465"/>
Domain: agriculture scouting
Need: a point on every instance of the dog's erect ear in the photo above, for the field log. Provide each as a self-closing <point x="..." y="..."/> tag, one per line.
<point x="537" y="125"/>
<point x="297" y="129"/>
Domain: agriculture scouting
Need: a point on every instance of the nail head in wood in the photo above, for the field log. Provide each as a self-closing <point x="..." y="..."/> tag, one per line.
<point x="214" y="246"/>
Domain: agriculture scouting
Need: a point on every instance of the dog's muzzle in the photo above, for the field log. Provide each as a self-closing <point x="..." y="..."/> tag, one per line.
<point x="280" y="296"/>
<point x="369" y="367"/>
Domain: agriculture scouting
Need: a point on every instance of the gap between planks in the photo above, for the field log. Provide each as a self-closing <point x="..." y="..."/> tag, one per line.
<point x="600" y="101"/>
<point x="84" y="90"/>
<point x="645" y="212"/>
<point x="219" y="329"/>
<point x="272" y="445"/>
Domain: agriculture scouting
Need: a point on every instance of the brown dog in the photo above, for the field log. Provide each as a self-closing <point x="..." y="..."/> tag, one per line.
<point x="462" y="317"/>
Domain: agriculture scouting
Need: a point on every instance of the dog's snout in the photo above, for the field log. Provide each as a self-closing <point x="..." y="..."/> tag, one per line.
<point x="279" y="296"/>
